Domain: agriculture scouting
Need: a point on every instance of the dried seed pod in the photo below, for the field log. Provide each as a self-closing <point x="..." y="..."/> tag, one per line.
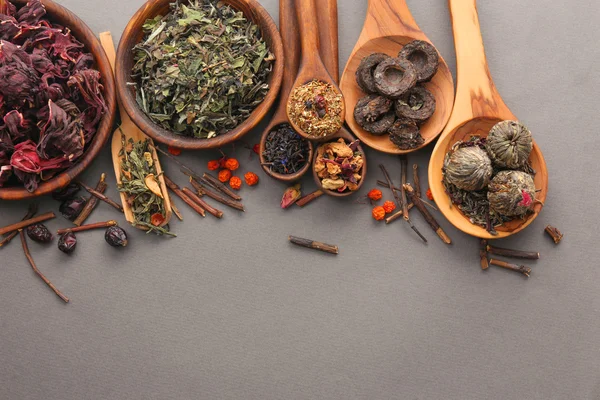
<point x="66" y="193"/>
<point x="364" y="72"/>
<point x="423" y="56"/>
<point x="469" y="168"/>
<point x="406" y="134"/>
<point x="115" y="236"/>
<point x="511" y="193"/>
<point x="67" y="243"/>
<point x="373" y="114"/>
<point x="509" y="144"/>
<point x="39" y="233"/>
<point x="394" y="77"/>
<point x="70" y="209"/>
<point x="418" y="104"/>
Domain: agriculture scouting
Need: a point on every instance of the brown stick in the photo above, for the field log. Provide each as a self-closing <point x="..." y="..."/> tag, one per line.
<point x="32" y="210"/>
<point x="202" y="203"/>
<point x="214" y="182"/>
<point x="175" y="189"/>
<point x="309" y="197"/>
<point x="426" y="214"/>
<point x="311" y="244"/>
<point x="91" y="202"/>
<point x="483" y="256"/>
<point x="204" y="191"/>
<point x="416" y="180"/>
<point x="25" y="223"/>
<point x="175" y="210"/>
<point x="37" y="271"/>
<point x="499" y="251"/>
<point x="385" y="185"/>
<point x="397" y="215"/>
<point x="554" y="233"/>
<point x="102" y="197"/>
<point x="513" y="267"/>
<point x="96" y="225"/>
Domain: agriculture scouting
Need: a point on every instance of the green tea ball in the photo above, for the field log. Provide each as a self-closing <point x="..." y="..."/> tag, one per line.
<point x="469" y="168"/>
<point x="509" y="144"/>
<point x="511" y="193"/>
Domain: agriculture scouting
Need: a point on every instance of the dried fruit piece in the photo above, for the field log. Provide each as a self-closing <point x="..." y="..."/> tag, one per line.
<point x="174" y="150"/>
<point x="469" y="168"/>
<point x="115" y="236"/>
<point x="67" y="242"/>
<point x="232" y="164"/>
<point x="509" y="144"/>
<point x="251" y="178"/>
<point x="375" y="194"/>
<point x="423" y="56"/>
<point x="417" y="104"/>
<point x="39" y="233"/>
<point x="70" y="209"/>
<point x="213" y="165"/>
<point x="291" y="195"/>
<point x="378" y="213"/>
<point x="364" y="72"/>
<point x="224" y="175"/>
<point x="157" y="219"/>
<point x="235" y="182"/>
<point x="373" y="114"/>
<point x="394" y="77"/>
<point x="511" y="193"/>
<point x="152" y="185"/>
<point x="66" y="193"/>
<point x="406" y="134"/>
<point x="389" y="206"/>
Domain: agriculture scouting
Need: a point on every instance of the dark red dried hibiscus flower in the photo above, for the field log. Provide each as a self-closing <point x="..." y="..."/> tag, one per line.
<point x="50" y="96"/>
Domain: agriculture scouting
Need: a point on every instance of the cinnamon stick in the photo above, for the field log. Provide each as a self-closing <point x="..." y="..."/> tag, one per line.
<point x="179" y="193"/>
<point x="91" y="202"/>
<point x="499" y="251"/>
<point x="397" y="215"/>
<point x="202" y="203"/>
<point x="204" y="191"/>
<point x="25" y="223"/>
<point x="31" y="211"/>
<point x="554" y="233"/>
<point x="309" y="197"/>
<point x="102" y="197"/>
<point x="37" y="271"/>
<point x="426" y="214"/>
<point x="311" y="244"/>
<point x="96" y="225"/>
<point x="513" y="267"/>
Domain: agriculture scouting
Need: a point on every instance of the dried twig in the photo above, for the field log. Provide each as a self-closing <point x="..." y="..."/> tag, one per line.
<point x="416" y="180"/>
<point x="102" y="197"/>
<point x="513" y="267"/>
<point x="483" y="256"/>
<point x="427" y="215"/>
<point x="26" y="222"/>
<point x="204" y="191"/>
<point x="175" y="209"/>
<point x="32" y="210"/>
<point x="397" y="215"/>
<point x="91" y="202"/>
<point x="96" y="225"/>
<point x="311" y="244"/>
<point x="214" y="182"/>
<point x="202" y="203"/>
<point x="428" y="204"/>
<point x="499" y="251"/>
<point x="554" y="233"/>
<point x="179" y="193"/>
<point x="309" y="197"/>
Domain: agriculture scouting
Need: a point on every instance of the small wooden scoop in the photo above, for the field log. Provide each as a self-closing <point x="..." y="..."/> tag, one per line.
<point x="477" y="108"/>
<point x="130" y="130"/>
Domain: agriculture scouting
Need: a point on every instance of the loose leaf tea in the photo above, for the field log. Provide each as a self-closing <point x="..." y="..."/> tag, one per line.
<point x="50" y="97"/>
<point x="201" y="69"/>
<point x="285" y="151"/>
<point x="339" y="165"/>
<point x="139" y="182"/>
<point x="316" y="108"/>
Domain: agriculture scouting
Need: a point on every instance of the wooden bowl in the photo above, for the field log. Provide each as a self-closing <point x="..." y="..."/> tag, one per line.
<point x="82" y="32"/>
<point x="343" y="133"/>
<point x="284" y="177"/>
<point x="133" y="34"/>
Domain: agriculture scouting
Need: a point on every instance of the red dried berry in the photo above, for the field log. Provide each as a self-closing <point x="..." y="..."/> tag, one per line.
<point x="39" y="233"/>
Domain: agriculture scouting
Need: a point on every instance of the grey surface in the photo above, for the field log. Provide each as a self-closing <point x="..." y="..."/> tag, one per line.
<point x="229" y="310"/>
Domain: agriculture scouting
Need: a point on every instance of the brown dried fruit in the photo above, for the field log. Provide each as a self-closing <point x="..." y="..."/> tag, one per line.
<point x="423" y="56"/>
<point x="364" y="72"/>
<point x="394" y="77"/>
<point x="406" y="134"/>
<point x="418" y="104"/>
<point x="373" y="114"/>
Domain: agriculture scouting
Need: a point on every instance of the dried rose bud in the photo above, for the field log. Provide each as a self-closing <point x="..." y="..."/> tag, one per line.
<point x="115" y="236"/>
<point x="70" y="209"/>
<point x="39" y="233"/>
<point x="291" y="195"/>
<point x="66" y="193"/>
<point x="67" y="243"/>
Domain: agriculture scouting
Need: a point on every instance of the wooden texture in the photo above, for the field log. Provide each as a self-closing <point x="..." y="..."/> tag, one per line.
<point x="131" y="131"/>
<point x="80" y="30"/>
<point x="388" y="26"/>
<point x="311" y="244"/>
<point x="311" y="63"/>
<point x="133" y="34"/>
<point x="477" y="108"/>
<point x="327" y="19"/>
<point x="291" y="51"/>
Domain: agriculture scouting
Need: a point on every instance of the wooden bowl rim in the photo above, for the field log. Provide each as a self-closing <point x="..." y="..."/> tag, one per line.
<point x="85" y="35"/>
<point x="269" y="32"/>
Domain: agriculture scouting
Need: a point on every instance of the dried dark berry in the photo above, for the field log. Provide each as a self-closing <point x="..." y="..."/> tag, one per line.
<point x="373" y="114"/>
<point x="406" y="134"/>
<point x="364" y="72"/>
<point x="66" y="193"/>
<point x="39" y="233"/>
<point x="394" y="77"/>
<point x="423" y="56"/>
<point x="70" y="209"/>
<point x="67" y="243"/>
<point x="418" y="104"/>
<point x="116" y="236"/>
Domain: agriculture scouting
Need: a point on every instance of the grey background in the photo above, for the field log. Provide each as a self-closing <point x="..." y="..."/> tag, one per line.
<point x="230" y="310"/>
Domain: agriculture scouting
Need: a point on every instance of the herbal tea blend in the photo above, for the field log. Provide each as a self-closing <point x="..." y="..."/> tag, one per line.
<point x="511" y="193"/>
<point x="201" y="69"/>
<point x="316" y="108"/>
<point x="50" y="97"/>
<point x="285" y="151"/>
<point x="468" y="168"/>
<point x="424" y="58"/>
<point x="339" y="165"/>
<point x="509" y="144"/>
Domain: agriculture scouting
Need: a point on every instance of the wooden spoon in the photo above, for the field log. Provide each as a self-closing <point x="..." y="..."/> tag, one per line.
<point x="130" y="130"/>
<point x="388" y="26"/>
<point x="477" y="108"/>
<point x="311" y="67"/>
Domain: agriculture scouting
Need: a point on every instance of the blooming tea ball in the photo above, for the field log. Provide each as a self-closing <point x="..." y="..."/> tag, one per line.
<point x="511" y="193"/>
<point x="509" y="144"/>
<point x="469" y="168"/>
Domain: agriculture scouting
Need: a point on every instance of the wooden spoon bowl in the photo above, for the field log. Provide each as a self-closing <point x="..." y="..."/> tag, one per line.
<point x="82" y="32"/>
<point x="388" y="27"/>
<point x="477" y="108"/>
<point x="133" y="34"/>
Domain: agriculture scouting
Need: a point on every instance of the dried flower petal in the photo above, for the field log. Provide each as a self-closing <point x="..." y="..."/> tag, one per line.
<point x="291" y="195"/>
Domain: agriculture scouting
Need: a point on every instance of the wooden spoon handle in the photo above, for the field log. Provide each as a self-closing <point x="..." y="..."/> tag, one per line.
<point x="306" y="13"/>
<point x="475" y="88"/>
<point x="291" y="49"/>
<point x="328" y="37"/>
<point x="108" y="45"/>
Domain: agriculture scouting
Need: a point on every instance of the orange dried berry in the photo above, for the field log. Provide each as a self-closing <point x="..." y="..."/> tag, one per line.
<point x="389" y="206"/>
<point x="232" y="164"/>
<point x="375" y="194"/>
<point x="429" y="194"/>
<point x="174" y="151"/>
<point x="235" y="182"/>
<point x="157" y="219"/>
<point x="251" y="178"/>
<point x="379" y="213"/>
<point x="224" y="175"/>
<point x="213" y="165"/>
